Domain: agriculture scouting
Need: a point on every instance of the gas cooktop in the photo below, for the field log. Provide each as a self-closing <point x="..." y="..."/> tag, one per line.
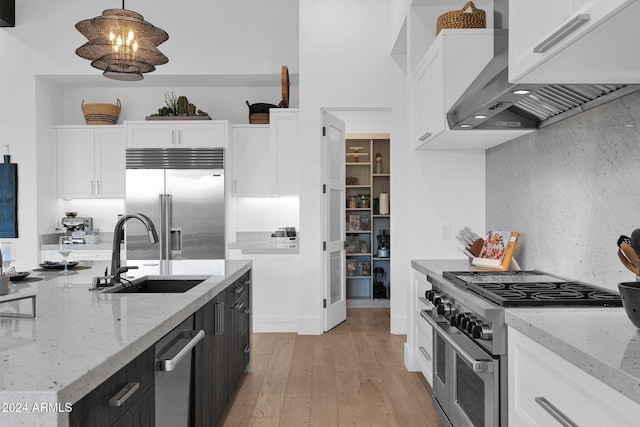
<point x="532" y="289"/>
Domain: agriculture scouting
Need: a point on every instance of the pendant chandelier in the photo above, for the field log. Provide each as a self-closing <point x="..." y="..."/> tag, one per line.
<point x="122" y="44"/>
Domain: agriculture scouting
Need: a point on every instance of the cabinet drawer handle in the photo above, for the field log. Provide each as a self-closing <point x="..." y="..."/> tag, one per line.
<point x="219" y="318"/>
<point x="90" y="187"/>
<point x="424" y="353"/>
<point x="239" y="306"/>
<point x="168" y="365"/>
<point x="246" y="282"/>
<point x="424" y="136"/>
<point x="247" y="349"/>
<point x="563" y="32"/>
<point x="247" y="310"/>
<point x="97" y="187"/>
<point x="123" y="395"/>
<point x="239" y="289"/>
<point x="555" y="412"/>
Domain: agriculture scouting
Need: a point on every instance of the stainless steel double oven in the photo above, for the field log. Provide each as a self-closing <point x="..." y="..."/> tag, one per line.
<point x="469" y="335"/>
<point x="466" y="379"/>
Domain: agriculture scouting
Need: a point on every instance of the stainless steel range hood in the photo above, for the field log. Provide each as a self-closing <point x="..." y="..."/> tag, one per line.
<point x="491" y="102"/>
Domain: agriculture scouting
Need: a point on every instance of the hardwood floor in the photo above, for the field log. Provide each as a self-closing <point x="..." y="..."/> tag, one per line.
<point x="353" y="375"/>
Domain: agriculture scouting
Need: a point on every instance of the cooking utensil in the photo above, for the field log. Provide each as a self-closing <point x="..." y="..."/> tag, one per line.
<point x="631" y="255"/>
<point x="624" y="239"/>
<point x="627" y="263"/>
<point x="635" y="241"/>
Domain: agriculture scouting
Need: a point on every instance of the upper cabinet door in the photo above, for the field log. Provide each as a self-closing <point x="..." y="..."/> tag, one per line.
<point x="151" y="135"/>
<point x="110" y="169"/>
<point x="194" y="135"/>
<point x="573" y="41"/>
<point x="284" y="151"/>
<point x="75" y="162"/>
<point x="90" y="162"/>
<point x="430" y="113"/>
<point x="252" y="167"/>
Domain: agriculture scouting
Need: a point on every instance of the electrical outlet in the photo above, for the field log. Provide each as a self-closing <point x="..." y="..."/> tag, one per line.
<point x="445" y="232"/>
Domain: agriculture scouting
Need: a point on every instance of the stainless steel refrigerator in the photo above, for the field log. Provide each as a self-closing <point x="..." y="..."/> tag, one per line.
<point x="182" y="191"/>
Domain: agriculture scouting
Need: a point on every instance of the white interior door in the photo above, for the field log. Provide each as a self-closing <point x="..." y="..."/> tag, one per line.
<point x="335" y="295"/>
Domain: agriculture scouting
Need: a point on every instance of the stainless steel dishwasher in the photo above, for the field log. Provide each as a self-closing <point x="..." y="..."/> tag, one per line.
<point x="174" y="375"/>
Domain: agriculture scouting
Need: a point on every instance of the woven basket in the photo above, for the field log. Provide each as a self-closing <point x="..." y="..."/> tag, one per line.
<point x="101" y="114"/>
<point x="259" y="113"/>
<point x="461" y="19"/>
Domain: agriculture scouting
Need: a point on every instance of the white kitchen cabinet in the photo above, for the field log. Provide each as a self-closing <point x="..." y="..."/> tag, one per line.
<point x="283" y="138"/>
<point x="420" y="337"/>
<point x="453" y="61"/>
<point x="573" y="41"/>
<point x="276" y="281"/>
<point x="177" y="134"/>
<point x="265" y="157"/>
<point x="544" y="386"/>
<point x="90" y="162"/>
<point x="251" y="161"/>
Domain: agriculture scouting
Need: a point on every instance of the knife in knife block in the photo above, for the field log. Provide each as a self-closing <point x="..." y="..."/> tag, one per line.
<point x="476" y="247"/>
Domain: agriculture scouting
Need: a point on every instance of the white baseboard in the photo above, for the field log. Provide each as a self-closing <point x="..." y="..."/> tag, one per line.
<point x="264" y="324"/>
<point x="409" y="361"/>
<point x="310" y="326"/>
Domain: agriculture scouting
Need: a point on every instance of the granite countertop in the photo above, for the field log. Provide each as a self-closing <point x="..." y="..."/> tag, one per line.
<point x="79" y="338"/>
<point x="262" y="243"/>
<point x="601" y="341"/>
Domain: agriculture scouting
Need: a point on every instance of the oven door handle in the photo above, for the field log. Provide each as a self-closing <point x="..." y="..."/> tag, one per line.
<point x="482" y="366"/>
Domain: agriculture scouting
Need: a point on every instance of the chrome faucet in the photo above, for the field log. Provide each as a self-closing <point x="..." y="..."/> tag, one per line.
<point x="118" y="234"/>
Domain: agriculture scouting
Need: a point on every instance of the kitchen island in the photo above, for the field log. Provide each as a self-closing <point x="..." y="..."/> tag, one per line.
<point x="79" y="338"/>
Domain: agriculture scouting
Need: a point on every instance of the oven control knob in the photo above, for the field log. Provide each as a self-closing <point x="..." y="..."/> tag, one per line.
<point x="444" y="309"/>
<point x="438" y="299"/>
<point x="466" y="319"/>
<point x="429" y="295"/>
<point x="472" y="324"/>
<point x="482" y="331"/>
<point x="457" y="319"/>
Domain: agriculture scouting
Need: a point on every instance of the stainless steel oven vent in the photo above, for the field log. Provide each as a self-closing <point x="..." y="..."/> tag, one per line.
<point x="492" y="102"/>
<point x="551" y="100"/>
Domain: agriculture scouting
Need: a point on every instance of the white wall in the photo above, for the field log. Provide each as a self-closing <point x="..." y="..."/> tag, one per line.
<point x="344" y="63"/>
<point x="229" y="37"/>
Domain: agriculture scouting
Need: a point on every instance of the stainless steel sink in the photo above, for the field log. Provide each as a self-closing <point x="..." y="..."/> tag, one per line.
<point x="156" y="286"/>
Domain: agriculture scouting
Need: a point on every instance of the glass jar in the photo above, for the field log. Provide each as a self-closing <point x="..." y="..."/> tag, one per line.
<point x="352" y="202"/>
<point x="363" y="201"/>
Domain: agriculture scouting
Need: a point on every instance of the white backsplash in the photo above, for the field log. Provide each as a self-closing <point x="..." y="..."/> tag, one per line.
<point x="571" y="190"/>
<point x="103" y="211"/>
<point x="267" y="213"/>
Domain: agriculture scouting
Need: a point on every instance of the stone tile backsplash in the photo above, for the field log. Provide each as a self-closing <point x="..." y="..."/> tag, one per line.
<point x="571" y="189"/>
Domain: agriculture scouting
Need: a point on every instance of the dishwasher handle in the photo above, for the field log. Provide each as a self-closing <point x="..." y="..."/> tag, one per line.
<point x="167" y="365"/>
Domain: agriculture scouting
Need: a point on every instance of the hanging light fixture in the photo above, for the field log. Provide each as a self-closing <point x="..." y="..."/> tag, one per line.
<point x="122" y="44"/>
